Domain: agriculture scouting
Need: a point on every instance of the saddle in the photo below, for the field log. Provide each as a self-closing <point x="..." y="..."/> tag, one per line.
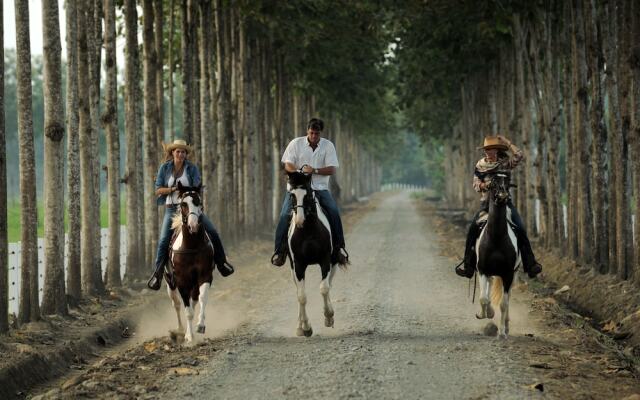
<point x="484" y="215"/>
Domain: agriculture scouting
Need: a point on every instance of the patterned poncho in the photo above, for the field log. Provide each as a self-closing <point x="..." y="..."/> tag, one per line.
<point x="485" y="167"/>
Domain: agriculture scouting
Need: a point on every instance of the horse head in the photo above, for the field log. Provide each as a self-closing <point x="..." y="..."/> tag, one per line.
<point x="499" y="188"/>
<point x="190" y="206"/>
<point x="301" y="196"/>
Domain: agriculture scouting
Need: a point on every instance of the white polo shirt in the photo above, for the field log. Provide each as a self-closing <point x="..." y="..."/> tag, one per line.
<point x="299" y="153"/>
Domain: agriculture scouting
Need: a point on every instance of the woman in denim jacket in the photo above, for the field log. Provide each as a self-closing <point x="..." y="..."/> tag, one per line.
<point x="176" y="169"/>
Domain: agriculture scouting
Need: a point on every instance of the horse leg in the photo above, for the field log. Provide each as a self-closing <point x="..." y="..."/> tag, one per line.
<point x="188" y="311"/>
<point x="486" y="311"/>
<point x="202" y="299"/>
<point x="503" y="330"/>
<point x="325" y="287"/>
<point x="304" y="329"/>
<point x="175" y="299"/>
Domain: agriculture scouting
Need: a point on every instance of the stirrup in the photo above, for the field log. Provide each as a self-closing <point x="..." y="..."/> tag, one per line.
<point x="279" y="258"/>
<point x="225" y="268"/>
<point x="155" y="281"/>
<point x="462" y="271"/>
<point x="343" y="258"/>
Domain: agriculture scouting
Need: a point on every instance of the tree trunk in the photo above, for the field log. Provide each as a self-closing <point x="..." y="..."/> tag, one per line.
<point x="599" y="129"/>
<point x="634" y="137"/>
<point x="88" y="227"/>
<point x="187" y="91"/>
<point x="29" y="305"/>
<point x="582" y="129"/>
<point x="158" y="15"/>
<point x="172" y="21"/>
<point x="225" y="131"/>
<point x="53" y="300"/>
<point x="134" y="256"/>
<point x="94" y="13"/>
<point x="74" y="289"/>
<point x="623" y="234"/>
<point x="4" y="240"/>
<point x="208" y="138"/>
<point x="110" y="124"/>
<point x="609" y="34"/>
<point x="194" y="78"/>
<point x="150" y="129"/>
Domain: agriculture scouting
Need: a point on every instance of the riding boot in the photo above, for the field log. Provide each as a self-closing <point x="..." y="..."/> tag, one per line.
<point x="219" y="257"/>
<point x="529" y="263"/>
<point x="156" y="279"/>
<point x="469" y="262"/>
<point x="340" y="256"/>
<point x="279" y="257"/>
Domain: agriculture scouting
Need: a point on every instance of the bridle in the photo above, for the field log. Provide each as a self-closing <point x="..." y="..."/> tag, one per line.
<point x="500" y="191"/>
<point x="307" y="206"/>
<point x="194" y="195"/>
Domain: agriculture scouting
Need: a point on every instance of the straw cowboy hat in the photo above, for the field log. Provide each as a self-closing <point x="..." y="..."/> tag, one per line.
<point x="493" y="142"/>
<point x="177" y="144"/>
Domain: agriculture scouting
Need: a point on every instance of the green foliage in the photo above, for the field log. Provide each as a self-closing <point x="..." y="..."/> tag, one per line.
<point x="336" y="52"/>
<point x="439" y="43"/>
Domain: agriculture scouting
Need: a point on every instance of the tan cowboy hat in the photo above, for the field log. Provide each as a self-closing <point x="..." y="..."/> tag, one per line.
<point x="177" y="144"/>
<point x="493" y="142"/>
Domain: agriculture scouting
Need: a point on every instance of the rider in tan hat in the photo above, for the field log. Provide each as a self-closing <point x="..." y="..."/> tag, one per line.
<point x="496" y="159"/>
<point x="177" y="169"/>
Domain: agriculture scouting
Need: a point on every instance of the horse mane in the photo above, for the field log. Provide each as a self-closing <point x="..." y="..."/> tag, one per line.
<point x="176" y="220"/>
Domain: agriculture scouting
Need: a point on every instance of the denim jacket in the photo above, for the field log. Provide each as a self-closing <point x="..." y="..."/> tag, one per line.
<point x="164" y="173"/>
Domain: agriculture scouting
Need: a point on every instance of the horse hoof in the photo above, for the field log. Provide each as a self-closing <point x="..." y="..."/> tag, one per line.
<point x="480" y="316"/>
<point x="299" y="332"/>
<point x="308" y="333"/>
<point x="502" y="336"/>
<point x="200" y="329"/>
<point x="188" y="340"/>
<point x="328" y="322"/>
<point x="490" y="313"/>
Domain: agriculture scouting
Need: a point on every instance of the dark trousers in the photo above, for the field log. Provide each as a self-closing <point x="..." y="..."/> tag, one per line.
<point x="166" y="232"/>
<point x="330" y="207"/>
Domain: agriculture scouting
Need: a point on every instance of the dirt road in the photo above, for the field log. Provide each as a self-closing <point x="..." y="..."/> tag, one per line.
<point x="404" y="329"/>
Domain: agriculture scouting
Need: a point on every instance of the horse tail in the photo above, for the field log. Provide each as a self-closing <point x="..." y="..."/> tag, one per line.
<point x="344" y="267"/>
<point x="497" y="290"/>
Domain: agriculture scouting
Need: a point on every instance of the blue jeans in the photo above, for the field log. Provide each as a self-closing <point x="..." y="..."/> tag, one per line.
<point x="166" y="232"/>
<point x="330" y="207"/>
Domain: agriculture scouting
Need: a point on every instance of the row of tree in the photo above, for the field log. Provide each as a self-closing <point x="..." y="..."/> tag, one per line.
<point x="252" y="75"/>
<point x="562" y="80"/>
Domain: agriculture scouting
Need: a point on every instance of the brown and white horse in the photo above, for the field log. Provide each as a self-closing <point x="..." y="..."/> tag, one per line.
<point x="191" y="255"/>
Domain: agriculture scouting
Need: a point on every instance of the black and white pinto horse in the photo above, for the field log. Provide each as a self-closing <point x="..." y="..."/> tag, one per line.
<point x="497" y="254"/>
<point x="309" y="243"/>
<point x="191" y="255"/>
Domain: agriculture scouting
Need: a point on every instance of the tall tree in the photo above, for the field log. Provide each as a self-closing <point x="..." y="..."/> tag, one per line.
<point x="134" y="255"/>
<point x="159" y="43"/>
<point x="150" y="129"/>
<point x="4" y="253"/>
<point x="187" y="70"/>
<point x="94" y="34"/>
<point x="90" y="283"/>
<point x="74" y="289"/>
<point x="172" y="21"/>
<point x="208" y="139"/>
<point x="599" y="129"/>
<point x="634" y="138"/>
<point x="54" y="300"/>
<point x="29" y="302"/>
<point x="110" y="124"/>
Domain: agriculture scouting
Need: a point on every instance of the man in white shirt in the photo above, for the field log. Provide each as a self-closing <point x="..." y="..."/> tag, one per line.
<point x="316" y="156"/>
